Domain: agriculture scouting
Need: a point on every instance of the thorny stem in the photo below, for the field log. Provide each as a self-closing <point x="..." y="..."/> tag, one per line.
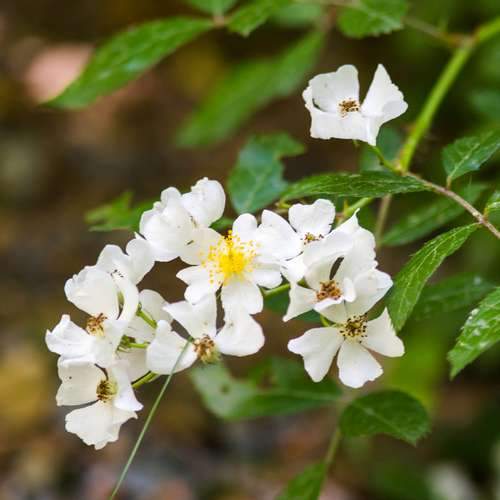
<point x="147" y="423"/>
<point x="458" y="199"/>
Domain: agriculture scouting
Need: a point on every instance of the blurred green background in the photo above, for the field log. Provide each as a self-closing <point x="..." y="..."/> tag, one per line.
<point x="57" y="165"/>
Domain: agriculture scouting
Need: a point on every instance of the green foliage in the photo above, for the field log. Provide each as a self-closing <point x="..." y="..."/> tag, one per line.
<point x="117" y="214"/>
<point x="430" y="216"/>
<point x="469" y="153"/>
<point x="126" y="56"/>
<point x="306" y="485"/>
<point x="298" y="15"/>
<point x="290" y="390"/>
<point x="480" y="332"/>
<point x="248" y="88"/>
<point x="372" y="17"/>
<point x="253" y="14"/>
<point x="389" y="142"/>
<point x="451" y="294"/>
<point x="412" y="278"/>
<point x="257" y="179"/>
<point x="373" y="184"/>
<point x="386" y="412"/>
<point x="493" y="203"/>
<point x="216" y="7"/>
<point x="486" y="102"/>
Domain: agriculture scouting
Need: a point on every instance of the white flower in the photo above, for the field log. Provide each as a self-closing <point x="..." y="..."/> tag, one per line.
<point x="356" y="280"/>
<point x="352" y="336"/>
<point x="336" y="111"/>
<point x="294" y="243"/>
<point x="237" y="263"/>
<point x="112" y="396"/>
<point x="169" y="226"/>
<point x="241" y="335"/>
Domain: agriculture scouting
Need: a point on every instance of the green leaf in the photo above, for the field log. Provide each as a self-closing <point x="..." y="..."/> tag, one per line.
<point x="257" y="179"/>
<point x="486" y="102"/>
<point x="253" y="14"/>
<point x="374" y="184"/>
<point x="126" y="56"/>
<point x="480" y="332"/>
<point x="430" y="216"/>
<point x="117" y="214"/>
<point x="289" y="391"/>
<point x="386" y="412"/>
<point x="451" y="294"/>
<point x="389" y="141"/>
<point x="305" y="486"/>
<point x="493" y="203"/>
<point x="247" y="88"/>
<point x="469" y="153"/>
<point x="412" y="278"/>
<point x="298" y="15"/>
<point x="216" y="7"/>
<point x="372" y="17"/>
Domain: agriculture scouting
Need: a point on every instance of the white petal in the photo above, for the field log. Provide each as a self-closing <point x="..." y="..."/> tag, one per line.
<point x="240" y="336"/>
<point x="79" y="381"/>
<point x="301" y="300"/>
<point x="69" y="340"/>
<point x="125" y="397"/>
<point x="168" y="227"/>
<point x="198" y="319"/>
<point x="163" y="353"/>
<point x="319" y="272"/>
<point x="130" y="295"/>
<point x="318" y="348"/>
<point x="93" y="291"/>
<point x="381" y="93"/>
<point x="141" y="258"/>
<point x="105" y="346"/>
<point x="356" y="365"/>
<point x="332" y="247"/>
<point x="97" y="424"/>
<point x="202" y="240"/>
<point x="336" y="313"/>
<point x="315" y="219"/>
<point x="135" y="360"/>
<point x="266" y="275"/>
<point x="329" y="89"/>
<point x="199" y="282"/>
<point x="381" y="337"/>
<point x="241" y="293"/>
<point x="277" y="238"/>
<point x="205" y="202"/>
<point x="245" y="227"/>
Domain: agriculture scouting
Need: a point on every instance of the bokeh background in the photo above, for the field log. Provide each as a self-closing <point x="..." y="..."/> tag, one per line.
<point x="57" y="165"/>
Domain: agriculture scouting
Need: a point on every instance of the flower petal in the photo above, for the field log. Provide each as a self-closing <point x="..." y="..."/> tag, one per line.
<point x="241" y="335"/>
<point x="315" y="219"/>
<point x="69" y="340"/>
<point x="301" y="300"/>
<point x="197" y="250"/>
<point x="277" y="238"/>
<point x="237" y="293"/>
<point x="318" y="347"/>
<point x="79" y="381"/>
<point x="205" y="202"/>
<point x="163" y="353"/>
<point x="381" y="337"/>
<point x="125" y="397"/>
<point x="356" y="365"/>
<point x="199" y="283"/>
<point x="245" y="227"/>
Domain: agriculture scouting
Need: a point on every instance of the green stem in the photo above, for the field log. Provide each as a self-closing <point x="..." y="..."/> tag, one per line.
<point x="149" y="377"/>
<point x="146" y="424"/>
<point x="324" y="321"/>
<point x="352" y="208"/>
<point x="383" y="160"/>
<point x="333" y="446"/>
<point x="147" y="318"/>
<point x="276" y="291"/>
<point x="452" y="69"/>
<point x="137" y="345"/>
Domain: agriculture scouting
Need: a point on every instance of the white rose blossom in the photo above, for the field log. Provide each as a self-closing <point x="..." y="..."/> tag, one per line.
<point x="336" y="111"/>
<point x="111" y="394"/>
<point x="170" y="225"/>
<point x="241" y="335"/>
<point x="352" y="336"/>
<point x="237" y="264"/>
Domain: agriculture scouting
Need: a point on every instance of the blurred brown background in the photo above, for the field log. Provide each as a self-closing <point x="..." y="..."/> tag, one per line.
<point x="57" y="165"/>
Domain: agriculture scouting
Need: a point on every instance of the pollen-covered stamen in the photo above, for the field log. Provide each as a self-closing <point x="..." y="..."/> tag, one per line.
<point x="95" y="325"/>
<point x="348" y="106"/>
<point x="354" y="328"/>
<point x="205" y="349"/>
<point x="229" y="257"/>
<point x="106" y="390"/>
<point x="309" y="238"/>
<point x="329" y="290"/>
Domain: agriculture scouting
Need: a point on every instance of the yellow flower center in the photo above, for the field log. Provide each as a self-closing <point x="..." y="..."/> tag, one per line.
<point x="95" y="325"/>
<point x="354" y="328"/>
<point x="348" y="106"/>
<point x="106" y="390"/>
<point x="229" y="257"/>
